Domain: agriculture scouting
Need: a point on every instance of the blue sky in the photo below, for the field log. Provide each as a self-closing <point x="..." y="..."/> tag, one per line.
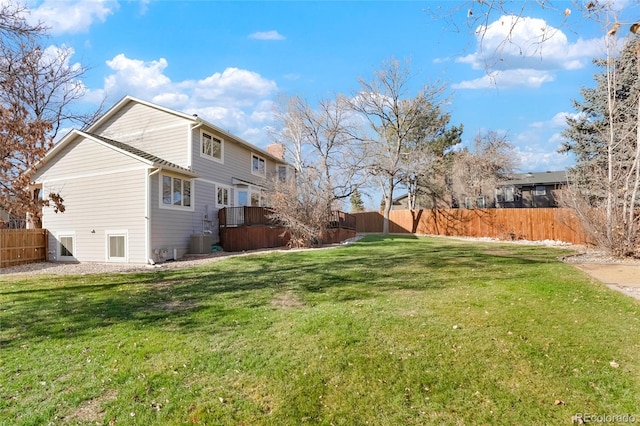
<point x="229" y="61"/>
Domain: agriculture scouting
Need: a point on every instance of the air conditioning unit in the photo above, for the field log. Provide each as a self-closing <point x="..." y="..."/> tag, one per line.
<point x="200" y="244"/>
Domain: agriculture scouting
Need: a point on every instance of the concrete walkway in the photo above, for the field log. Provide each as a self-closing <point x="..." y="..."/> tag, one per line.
<point x="622" y="278"/>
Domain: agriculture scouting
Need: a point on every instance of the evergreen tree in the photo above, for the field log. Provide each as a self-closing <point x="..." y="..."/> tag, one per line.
<point x="604" y="138"/>
<point x="357" y="205"/>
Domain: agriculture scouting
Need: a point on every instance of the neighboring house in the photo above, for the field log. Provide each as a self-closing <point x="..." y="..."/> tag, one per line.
<point x="523" y="190"/>
<point x="402" y="203"/>
<point x="142" y="179"/>
<point x="531" y="190"/>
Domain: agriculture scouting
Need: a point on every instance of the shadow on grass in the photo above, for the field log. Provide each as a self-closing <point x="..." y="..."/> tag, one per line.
<point x="75" y="305"/>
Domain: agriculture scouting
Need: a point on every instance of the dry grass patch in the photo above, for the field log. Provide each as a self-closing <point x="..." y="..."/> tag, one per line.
<point x="287" y="300"/>
<point x="92" y="410"/>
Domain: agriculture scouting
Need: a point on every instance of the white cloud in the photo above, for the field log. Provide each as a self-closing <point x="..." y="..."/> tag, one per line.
<point x="133" y="75"/>
<point x="507" y="79"/>
<point x="532" y="160"/>
<point x="235" y="99"/>
<point x="144" y="6"/>
<point x="524" y="42"/>
<point x="240" y="85"/>
<point x="527" y="49"/>
<point x="537" y="145"/>
<point x="71" y="16"/>
<point x="267" y="35"/>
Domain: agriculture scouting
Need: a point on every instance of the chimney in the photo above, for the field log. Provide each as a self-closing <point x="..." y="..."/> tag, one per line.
<point x="277" y="150"/>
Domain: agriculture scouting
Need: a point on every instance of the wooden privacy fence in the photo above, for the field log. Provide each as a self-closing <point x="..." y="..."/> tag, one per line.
<point x="506" y="224"/>
<point x="20" y="246"/>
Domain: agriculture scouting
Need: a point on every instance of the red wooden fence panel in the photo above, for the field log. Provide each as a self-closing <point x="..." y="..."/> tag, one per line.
<point x="506" y="224"/>
<point x="20" y="246"/>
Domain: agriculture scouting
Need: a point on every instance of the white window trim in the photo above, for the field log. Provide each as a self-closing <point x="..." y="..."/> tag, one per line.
<point x="59" y="256"/>
<point x="540" y="192"/>
<point x="229" y="197"/>
<point x="210" y="157"/>
<point x="172" y="206"/>
<point x="264" y="175"/>
<point x="511" y="189"/>
<point x="116" y="233"/>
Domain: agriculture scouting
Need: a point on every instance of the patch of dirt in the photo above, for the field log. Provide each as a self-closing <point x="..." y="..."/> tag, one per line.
<point x="92" y="410"/>
<point x="288" y="300"/>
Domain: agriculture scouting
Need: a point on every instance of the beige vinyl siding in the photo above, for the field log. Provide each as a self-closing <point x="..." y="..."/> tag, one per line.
<point x="237" y="162"/>
<point x="172" y="228"/>
<point x="102" y="190"/>
<point x="152" y="130"/>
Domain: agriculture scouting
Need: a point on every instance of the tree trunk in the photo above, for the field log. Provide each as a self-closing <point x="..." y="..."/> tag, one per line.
<point x="610" y="145"/>
<point x="388" y="201"/>
<point x="631" y="225"/>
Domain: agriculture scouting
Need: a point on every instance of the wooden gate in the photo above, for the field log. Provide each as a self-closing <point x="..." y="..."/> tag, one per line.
<point x="20" y="246"/>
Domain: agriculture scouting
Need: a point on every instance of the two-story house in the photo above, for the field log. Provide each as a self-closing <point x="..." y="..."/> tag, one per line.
<point x="142" y="179"/>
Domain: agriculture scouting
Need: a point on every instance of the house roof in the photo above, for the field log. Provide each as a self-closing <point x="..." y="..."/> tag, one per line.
<point x="149" y="159"/>
<point x="153" y="159"/>
<point x="538" y="178"/>
<point x="192" y="118"/>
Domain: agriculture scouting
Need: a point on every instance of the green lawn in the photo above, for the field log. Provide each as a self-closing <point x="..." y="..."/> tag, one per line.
<point x="388" y="331"/>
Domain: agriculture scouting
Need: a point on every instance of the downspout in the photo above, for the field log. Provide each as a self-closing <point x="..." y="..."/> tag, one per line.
<point x="147" y="216"/>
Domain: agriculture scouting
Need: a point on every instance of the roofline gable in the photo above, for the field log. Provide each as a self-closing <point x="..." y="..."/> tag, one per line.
<point x="194" y="119"/>
<point x="69" y="137"/>
<point x="122" y="102"/>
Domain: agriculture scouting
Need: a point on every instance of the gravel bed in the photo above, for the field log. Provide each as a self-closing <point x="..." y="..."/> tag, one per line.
<point x="584" y="255"/>
<point x="105" y="268"/>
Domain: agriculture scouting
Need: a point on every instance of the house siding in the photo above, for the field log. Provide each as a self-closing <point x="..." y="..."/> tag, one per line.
<point x="236" y="164"/>
<point x="151" y="130"/>
<point x="119" y="190"/>
<point x="96" y="199"/>
<point x="237" y="161"/>
<point x="172" y="228"/>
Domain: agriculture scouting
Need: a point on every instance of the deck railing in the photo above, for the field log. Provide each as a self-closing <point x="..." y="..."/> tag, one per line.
<point x="244" y="216"/>
<point x="342" y="220"/>
<point x="251" y="216"/>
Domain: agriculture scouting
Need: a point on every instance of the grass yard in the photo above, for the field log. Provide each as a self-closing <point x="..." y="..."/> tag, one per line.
<point x="387" y="331"/>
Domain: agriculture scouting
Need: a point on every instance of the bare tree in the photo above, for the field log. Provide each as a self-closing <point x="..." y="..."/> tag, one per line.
<point x="321" y="147"/>
<point x="402" y="127"/>
<point x="477" y="172"/>
<point x="605" y="138"/>
<point x="302" y="205"/>
<point x="37" y="88"/>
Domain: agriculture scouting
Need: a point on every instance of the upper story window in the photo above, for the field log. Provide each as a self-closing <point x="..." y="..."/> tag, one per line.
<point x="176" y="192"/>
<point x="211" y="147"/>
<point x="284" y="172"/>
<point x="258" y="165"/>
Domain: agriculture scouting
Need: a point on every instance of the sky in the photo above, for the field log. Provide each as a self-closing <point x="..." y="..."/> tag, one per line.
<point x="230" y="61"/>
